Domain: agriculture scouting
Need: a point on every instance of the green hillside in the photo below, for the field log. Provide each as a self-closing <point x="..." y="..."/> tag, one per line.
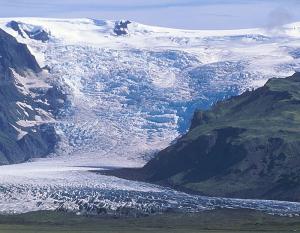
<point x="247" y="147"/>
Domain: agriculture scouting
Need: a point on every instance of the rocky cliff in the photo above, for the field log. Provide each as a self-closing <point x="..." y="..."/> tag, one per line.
<point x="26" y="109"/>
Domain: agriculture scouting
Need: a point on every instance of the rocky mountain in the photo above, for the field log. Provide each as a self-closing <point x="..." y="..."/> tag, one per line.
<point x="121" y="27"/>
<point x="26" y="103"/>
<point x="244" y="147"/>
<point x="30" y="31"/>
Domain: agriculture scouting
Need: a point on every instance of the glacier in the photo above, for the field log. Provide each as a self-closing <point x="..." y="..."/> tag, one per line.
<point x="131" y="96"/>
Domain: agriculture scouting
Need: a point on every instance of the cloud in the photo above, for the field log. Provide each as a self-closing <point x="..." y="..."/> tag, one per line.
<point x="278" y="17"/>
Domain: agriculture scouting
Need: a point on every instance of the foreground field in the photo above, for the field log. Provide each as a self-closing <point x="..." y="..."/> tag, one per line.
<point x="221" y="221"/>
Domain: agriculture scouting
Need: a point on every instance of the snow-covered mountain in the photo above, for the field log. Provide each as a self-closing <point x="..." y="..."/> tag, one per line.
<point x="133" y="90"/>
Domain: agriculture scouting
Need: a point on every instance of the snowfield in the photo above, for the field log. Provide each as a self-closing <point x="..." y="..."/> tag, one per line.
<point x="131" y="96"/>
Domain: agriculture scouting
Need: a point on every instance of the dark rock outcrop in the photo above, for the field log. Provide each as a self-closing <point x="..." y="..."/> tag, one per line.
<point x="15" y="56"/>
<point x="36" y="33"/>
<point x="121" y="27"/>
<point x="39" y="34"/>
<point x="16" y="27"/>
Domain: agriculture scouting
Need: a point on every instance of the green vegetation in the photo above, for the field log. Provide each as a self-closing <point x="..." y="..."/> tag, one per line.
<point x="247" y="147"/>
<point x="221" y="221"/>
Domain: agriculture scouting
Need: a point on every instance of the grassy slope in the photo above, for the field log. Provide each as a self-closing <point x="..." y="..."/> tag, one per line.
<point x="223" y="221"/>
<point x="247" y="147"/>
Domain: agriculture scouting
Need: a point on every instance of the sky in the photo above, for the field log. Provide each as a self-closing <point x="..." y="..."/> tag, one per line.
<point x="187" y="14"/>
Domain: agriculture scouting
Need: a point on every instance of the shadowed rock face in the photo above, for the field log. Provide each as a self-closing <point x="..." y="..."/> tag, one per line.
<point x="121" y="27"/>
<point x="36" y="34"/>
<point x="244" y="147"/>
<point x="28" y="139"/>
<point x="15" y="56"/>
<point x="15" y="26"/>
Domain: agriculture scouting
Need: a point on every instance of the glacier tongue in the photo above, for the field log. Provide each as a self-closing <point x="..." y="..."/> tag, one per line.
<point x="131" y="96"/>
<point x="127" y="103"/>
